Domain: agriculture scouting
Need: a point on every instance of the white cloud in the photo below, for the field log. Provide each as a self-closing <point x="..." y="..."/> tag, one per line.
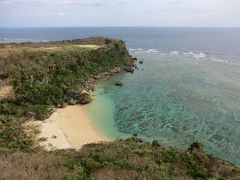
<point x="61" y="13"/>
<point x="124" y="12"/>
<point x="61" y="2"/>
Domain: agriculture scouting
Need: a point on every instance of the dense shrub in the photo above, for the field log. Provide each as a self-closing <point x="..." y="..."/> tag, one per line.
<point x="121" y="159"/>
<point x="12" y="136"/>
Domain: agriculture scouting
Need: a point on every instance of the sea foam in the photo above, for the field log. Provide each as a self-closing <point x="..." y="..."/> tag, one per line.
<point x="152" y="51"/>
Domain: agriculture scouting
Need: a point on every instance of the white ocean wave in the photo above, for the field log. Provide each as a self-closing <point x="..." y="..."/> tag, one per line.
<point x="196" y="55"/>
<point x="209" y="56"/>
<point x="152" y="51"/>
<point x="219" y="60"/>
<point x="138" y="49"/>
<point x="174" y="53"/>
<point x="200" y="55"/>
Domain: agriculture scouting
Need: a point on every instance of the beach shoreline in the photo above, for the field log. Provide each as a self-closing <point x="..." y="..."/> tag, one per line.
<point x="70" y="127"/>
<point x="67" y="128"/>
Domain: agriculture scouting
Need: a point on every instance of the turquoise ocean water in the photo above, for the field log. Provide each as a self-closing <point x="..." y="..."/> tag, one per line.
<point x="187" y="89"/>
<point x="176" y="98"/>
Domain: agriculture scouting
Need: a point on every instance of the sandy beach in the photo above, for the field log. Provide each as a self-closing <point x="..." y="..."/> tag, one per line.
<point x="67" y="128"/>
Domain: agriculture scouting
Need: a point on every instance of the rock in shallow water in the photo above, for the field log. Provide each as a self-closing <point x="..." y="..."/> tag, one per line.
<point x="119" y="83"/>
<point x="129" y="69"/>
<point x="135" y="135"/>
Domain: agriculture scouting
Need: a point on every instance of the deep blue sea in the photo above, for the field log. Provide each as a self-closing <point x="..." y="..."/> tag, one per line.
<point x="187" y="89"/>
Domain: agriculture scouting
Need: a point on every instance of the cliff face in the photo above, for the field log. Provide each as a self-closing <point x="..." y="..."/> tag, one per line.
<point x="44" y="74"/>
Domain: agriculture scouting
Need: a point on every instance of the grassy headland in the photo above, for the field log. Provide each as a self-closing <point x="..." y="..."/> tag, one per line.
<point x="37" y="77"/>
<point x="48" y="75"/>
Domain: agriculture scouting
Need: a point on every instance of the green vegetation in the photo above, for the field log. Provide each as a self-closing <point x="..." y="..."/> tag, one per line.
<point x="12" y="136"/>
<point x="43" y="74"/>
<point x="122" y="159"/>
<point x="46" y="75"/>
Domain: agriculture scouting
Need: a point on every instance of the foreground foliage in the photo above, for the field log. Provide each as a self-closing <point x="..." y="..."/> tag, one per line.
<point x="122" y="159"/>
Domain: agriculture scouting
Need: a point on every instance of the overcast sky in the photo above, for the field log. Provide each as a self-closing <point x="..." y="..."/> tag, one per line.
<point x="51" y="13"/>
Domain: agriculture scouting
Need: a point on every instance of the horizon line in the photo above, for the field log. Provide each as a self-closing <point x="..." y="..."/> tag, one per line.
<point x="119" y="26"/>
